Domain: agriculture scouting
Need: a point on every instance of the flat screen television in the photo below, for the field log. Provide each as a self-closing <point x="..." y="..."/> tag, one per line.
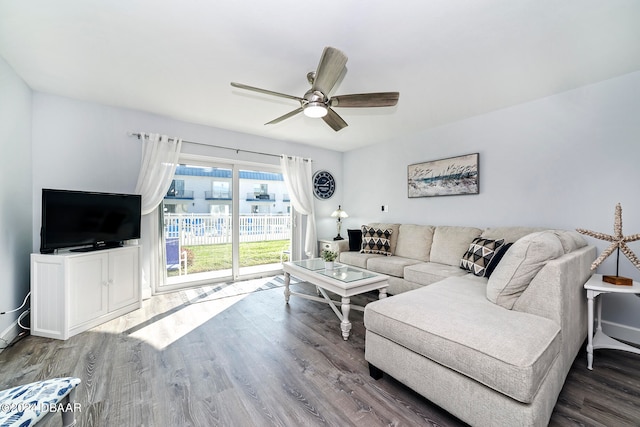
<point x="87" y="220"/>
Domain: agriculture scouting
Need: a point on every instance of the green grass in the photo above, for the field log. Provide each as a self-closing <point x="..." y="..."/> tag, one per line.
<point x="218" y="257"/>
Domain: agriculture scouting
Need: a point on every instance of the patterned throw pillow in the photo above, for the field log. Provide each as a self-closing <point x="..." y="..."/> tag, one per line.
<point x="477" y="258"/>
<point x="375" y="241"/>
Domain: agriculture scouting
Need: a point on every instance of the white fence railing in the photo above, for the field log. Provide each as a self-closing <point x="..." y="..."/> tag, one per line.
<point x="205" y="229"/>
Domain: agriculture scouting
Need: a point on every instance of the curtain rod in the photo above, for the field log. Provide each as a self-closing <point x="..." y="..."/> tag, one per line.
<point x="237" y="150"/>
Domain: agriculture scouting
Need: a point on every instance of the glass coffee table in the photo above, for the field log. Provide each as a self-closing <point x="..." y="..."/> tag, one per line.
<point x="343" y="280"/>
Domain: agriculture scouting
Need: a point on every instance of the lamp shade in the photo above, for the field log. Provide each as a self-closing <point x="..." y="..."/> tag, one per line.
<point x="339" y="213"/>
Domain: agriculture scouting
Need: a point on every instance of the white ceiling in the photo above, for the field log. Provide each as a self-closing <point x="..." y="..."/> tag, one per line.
<point x="449" y="59"/>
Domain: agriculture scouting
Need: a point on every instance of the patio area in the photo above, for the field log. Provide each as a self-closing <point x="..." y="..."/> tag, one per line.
<point x="200" y="243"/>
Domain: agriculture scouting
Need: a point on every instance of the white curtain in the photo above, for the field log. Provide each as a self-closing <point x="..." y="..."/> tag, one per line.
<point x="297" y="177"/>
<point x="159" y="160"/>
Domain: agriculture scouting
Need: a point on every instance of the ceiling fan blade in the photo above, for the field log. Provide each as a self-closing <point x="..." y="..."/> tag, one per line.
<point x="285" y="117"/>
<point x="379" y="99"/>
<point x="265" y="91"/>
<point x="330" y="68"/>
<point x="334" y="120"/>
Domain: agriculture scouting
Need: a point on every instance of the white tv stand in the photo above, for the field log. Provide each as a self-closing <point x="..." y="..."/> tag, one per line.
<point x="75" y="291"/>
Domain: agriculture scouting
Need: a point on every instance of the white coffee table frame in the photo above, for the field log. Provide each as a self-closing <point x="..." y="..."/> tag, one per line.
<point x="595" y="287"/>
<point x="345" y="290"/>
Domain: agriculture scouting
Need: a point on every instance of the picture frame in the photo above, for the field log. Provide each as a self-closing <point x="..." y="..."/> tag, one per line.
<point x="444" y="177"/>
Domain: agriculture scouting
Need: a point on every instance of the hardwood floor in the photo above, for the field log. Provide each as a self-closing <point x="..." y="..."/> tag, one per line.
<point x="252" y="360"/>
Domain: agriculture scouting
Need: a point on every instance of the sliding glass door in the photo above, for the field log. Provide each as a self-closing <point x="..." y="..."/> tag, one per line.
<point x="224" y="222"/>
<point x="198" y="227"/>
<point x="264" y="221"/>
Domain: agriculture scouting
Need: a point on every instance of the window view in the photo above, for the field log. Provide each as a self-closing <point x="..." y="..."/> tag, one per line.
<point x="199" y="223"/>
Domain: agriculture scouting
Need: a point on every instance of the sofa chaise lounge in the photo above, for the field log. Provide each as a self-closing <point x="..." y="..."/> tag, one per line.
<point x="492" y="351"/>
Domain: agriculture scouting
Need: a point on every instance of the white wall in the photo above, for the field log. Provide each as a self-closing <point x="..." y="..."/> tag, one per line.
<point x="15" y="193"/>
<point x="562" y="162"/>
<point x="84" y="146"/>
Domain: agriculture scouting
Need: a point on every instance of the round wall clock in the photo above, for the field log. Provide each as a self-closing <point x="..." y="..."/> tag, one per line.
<point x="324" y="185"/>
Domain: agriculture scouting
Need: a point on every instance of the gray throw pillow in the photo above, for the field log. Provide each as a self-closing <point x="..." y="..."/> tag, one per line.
<point x="519" y="266"/>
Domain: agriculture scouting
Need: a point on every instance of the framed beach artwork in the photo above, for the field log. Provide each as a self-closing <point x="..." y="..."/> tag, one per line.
<point x="444" y="177"/>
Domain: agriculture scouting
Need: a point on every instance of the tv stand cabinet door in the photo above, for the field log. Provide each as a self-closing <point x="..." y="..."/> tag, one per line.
<point x="88" y="287"/>
<point x="49" y="304"/>
<point x="124" y="277"/>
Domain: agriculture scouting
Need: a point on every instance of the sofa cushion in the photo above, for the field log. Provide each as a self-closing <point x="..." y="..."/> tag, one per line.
<point x="392" y="266"/>
<point x="355" y="239"/>
<point x="509" y="234"/>
<point x="426" y="273"/>
<point x="376" y="241"/>
<point x="414" y="241"/>
<point x="570" y="240"/>
<point x="519" y="266"/>
<point x="450" y="243"/>
<point x="453" y="324"/>
<point x="356" y="258"/>
<point x="479" y="255"/>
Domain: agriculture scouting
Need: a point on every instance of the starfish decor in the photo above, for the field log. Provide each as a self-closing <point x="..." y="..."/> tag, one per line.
<point x="618" y="241"/>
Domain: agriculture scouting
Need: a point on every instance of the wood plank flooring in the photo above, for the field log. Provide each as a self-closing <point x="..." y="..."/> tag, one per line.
<point x="254" y="361"/>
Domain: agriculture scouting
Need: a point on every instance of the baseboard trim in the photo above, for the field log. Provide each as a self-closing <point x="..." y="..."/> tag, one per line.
<point x="621" y="332"/>
<point x="9" y="334"/>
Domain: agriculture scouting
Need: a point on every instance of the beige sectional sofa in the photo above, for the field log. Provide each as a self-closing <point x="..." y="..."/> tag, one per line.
<point x="492" y="351"/>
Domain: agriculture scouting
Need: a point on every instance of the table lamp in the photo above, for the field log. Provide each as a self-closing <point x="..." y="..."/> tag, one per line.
<point x="339" y="214"/>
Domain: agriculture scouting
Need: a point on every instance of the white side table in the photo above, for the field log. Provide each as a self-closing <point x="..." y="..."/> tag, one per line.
<point x="330" y="245"/>
<point x="595" y="286"/>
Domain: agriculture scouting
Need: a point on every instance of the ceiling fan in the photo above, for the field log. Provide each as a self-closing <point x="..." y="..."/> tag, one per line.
<point x="317" y="102"/>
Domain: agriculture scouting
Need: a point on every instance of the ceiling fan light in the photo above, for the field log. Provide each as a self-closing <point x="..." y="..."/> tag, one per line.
<point x="315" y="110"/>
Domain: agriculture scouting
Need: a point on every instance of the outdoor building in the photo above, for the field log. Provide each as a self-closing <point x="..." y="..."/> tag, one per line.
<point x="207" y="190"/>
